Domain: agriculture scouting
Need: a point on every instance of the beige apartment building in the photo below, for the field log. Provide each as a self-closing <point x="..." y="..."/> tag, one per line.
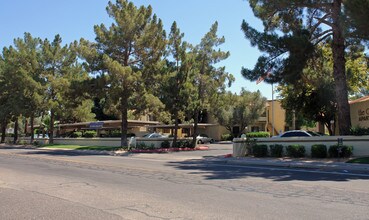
<point x="272" y="121"/>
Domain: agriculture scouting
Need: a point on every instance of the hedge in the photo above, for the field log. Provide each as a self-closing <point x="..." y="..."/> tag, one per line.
<point x="276" y="150"/>
<point x="295" y="150"/>
<point x="260" y="134"/>
<point x="260" y="150"/>
<point x="90" y="134"/>
<point x="340" y="151"/>
<point x="319" y="151"/>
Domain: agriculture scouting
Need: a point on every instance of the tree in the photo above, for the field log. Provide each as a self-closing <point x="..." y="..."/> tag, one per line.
<point x="313" y="96"/>
<point x="357" y="11"/>
<point x="29" y="60"/>
<point x="129" y="51"/>
<point x="239" y="110"/>
<point x="175" y="90"/>
<point x="208" y="79"/>
<point x="304" y="24"/>
<point x="60" y="68"/>
<point x="21" y="88"/>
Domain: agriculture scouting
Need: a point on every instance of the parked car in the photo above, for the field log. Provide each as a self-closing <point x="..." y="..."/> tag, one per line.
<point x="295" y="133"/>
<point x="203" y="138"/>
<point x="154" y="135"/>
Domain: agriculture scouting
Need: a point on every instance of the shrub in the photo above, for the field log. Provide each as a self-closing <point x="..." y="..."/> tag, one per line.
<point x="90" y="134"/>
<point x="36" y="143"/>
<point x="295" y="150"/>
<point x="165" y="144"/>
<point x="340" y="151"/>
<point x="319" y="151"/>
<point x="143" y="146"/>
<point x="184" y="144"/>
<point x="116" y="133"/>
<point x="358" y="131"/>
<point x="23" y="142"/>
<point x="260" y="150"/>
<point x="226" y="137"/>
<point x="260" y="134"/>
<point x="276" y="150"/>
<point x="76" y="134"/>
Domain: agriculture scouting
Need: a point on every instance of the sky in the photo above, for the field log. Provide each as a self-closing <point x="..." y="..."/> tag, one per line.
<point x="74" y="19"/>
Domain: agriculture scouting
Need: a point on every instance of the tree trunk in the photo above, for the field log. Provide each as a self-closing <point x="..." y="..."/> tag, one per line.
<point x="51" y="132"/>
<point x="124" y="124"/>
<point x="25" y="126"/>
<point x="195" y="127"/>
<point x="339" y="72"/>
<point x="3" y="131"/>
<point x="174" y="143"/>
<point x="32" y="128"/>
<point x="15" y="131"/>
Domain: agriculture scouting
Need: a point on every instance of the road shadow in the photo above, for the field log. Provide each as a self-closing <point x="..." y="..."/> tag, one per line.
<point x="213" y="169"/>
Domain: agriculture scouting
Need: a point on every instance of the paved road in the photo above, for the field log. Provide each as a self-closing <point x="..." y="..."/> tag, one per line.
<point x="60" y="185"/>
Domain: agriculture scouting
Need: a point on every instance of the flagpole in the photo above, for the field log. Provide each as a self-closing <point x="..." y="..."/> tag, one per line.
<point x="272" y="110"/>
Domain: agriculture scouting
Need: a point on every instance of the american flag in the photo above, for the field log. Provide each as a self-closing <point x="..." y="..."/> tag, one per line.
<point x="262" y="78"/>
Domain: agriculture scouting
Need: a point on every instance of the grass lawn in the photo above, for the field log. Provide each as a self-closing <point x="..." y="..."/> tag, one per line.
<point x="79" y="147"/>
<point x="362" y="160"/>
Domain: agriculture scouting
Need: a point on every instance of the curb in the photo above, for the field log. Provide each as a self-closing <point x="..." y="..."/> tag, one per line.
<point x="295" y="164"/>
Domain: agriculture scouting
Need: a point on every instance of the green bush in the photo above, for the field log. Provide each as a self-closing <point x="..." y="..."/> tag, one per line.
<point x="76" y="134"/>
<point x="22" y="142"/>
<point x="115" y="133"/>
<point x="143" y="146"/>
<point x="319" y="151"/>
<point x="358" y="131"/>
<point x="36" y="143"/>
<point x="90" y="134"/>
<point x="260" y="150"/>
<point x="295" y="150"/>
<point x="165" y="144"/>
<point x="184" y="144"/>
<point x="276" y="150"/>
<point x="340" y="151"/>
<point x="226" y="137"/>
<point x="259" y="134"/>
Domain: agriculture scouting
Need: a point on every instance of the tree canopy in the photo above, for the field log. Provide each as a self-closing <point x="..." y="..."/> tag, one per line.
<point x="292" y="31"/>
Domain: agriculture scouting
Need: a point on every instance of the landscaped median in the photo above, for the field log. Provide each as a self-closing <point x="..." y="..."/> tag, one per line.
<point x="119" y="149"/>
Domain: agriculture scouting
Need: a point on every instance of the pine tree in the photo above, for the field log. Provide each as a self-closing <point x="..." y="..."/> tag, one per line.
<point x="208" y="80"/>
<point x="130" y="50"/>
<point x="60" y="68"/>
<point x="175" y="93"/>
<point x="303" y="24"/>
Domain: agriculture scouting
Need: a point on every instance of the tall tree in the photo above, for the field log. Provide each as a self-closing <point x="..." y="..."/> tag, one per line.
<point x="313" y="96"/>
<point x="60" y="67"/>
<point x="20" y="88"/>
<point x="29" y="60"/>
<point x="208" y="79"/>
<point x="131" y="50"/>
<point x="309" y="23"/>
<point x="175" y="92"/>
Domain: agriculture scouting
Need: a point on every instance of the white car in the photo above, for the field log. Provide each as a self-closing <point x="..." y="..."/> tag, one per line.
<point x="203" y="138"/>
<point x="154" y="135"/>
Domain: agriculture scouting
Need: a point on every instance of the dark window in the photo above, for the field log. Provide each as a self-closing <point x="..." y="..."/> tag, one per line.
<point x="295" y="134"/>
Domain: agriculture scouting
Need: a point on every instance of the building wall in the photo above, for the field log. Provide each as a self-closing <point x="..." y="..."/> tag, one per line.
<point x="276" y="114"/>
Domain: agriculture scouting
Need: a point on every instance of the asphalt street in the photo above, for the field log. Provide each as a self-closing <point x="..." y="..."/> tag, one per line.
<point x="39" y="184"/>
